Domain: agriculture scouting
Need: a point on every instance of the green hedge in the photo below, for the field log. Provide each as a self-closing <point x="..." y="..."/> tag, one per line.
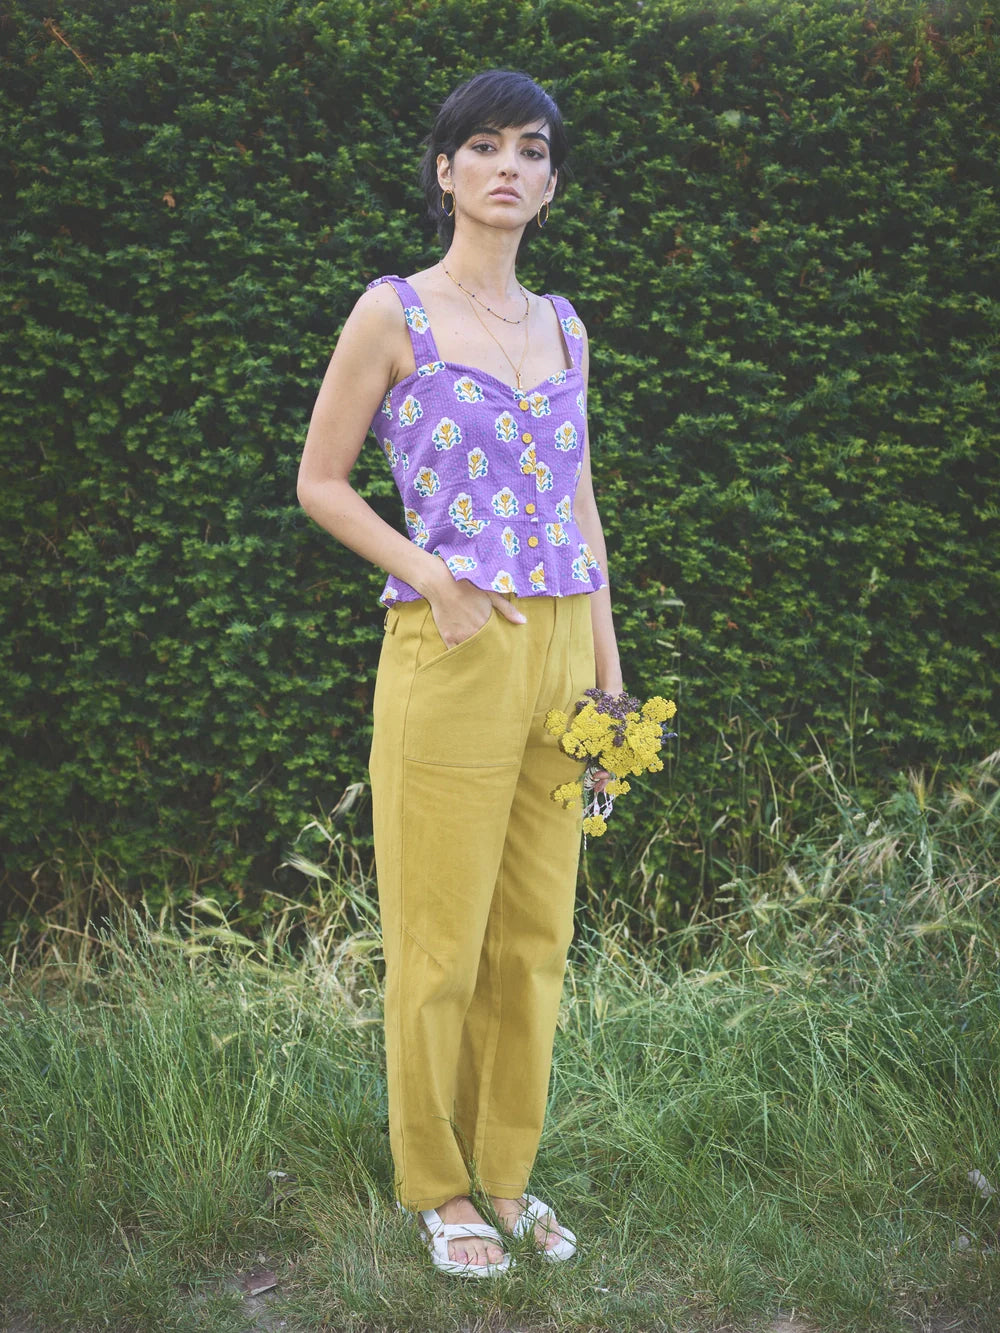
<point x="781" y="230"/>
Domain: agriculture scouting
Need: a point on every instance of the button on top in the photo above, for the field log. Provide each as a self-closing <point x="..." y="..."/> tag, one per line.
<point x="523" y="404"/>
<point x="527" y="437"/>
<point x="532" y="541"/>
<point x="529" y="509"/>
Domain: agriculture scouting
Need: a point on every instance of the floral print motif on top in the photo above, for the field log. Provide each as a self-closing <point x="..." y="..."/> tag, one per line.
<point x="418" y="529"/>
<point x="395" y="456"/>
<point x="446" y="434"/>
<point x="427" y="482"/>
<point x="416" y="318"/>
<point x="505" y="503"/>
<point x="487" y="472"/>
<point x="504" y="582"/>
<point x="566" y="437"/>
<point x="411" y="411"/>
<point x="461" y="564"/>
<point x="505" y="427"/>
<point x="468" y="391"/>
<point x="460" y="511"/>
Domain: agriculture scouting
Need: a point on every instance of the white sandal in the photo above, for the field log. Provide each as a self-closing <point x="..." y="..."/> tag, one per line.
<point x="540" y="1214"/>
<point x="436" y="1235"/>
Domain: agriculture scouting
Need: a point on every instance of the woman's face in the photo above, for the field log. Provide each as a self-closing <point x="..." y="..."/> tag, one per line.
<point x="500" y="177"/>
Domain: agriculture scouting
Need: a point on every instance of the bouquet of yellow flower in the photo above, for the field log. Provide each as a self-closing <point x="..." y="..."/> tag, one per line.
<point x="613" y="733"/>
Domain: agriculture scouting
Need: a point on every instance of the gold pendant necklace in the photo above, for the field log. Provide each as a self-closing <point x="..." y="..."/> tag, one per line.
<point x="516" y="369"/>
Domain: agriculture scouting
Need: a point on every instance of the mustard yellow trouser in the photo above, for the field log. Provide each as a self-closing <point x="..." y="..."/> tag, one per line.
<point x="476" y="879"/>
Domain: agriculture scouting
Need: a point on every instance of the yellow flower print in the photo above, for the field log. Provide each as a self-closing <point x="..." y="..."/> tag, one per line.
<point x="564" y="510"/>
<point x="418" y="529"/>
<point x="503" y="582"/>
<point x="390" y="452"/>
<point x="460" y="513"/>
<point x="587" y="556"/>
<point x="539" y="404"/>
<point x="556" y="535"/>
<point x="431" y="368"/>
<point x="543" y="477"/>
<point x="572" y="326"/>
<point x="566" y="437"/>
<point x="387" y="406"/>
<point x="528" y="460"/>
<point x="558" y="378"/>
<point x="506" y="427"/>
<point x="511" y="542"/>
<point x="505" y="503"/>
<point x="467" y="390"/>
<point x="427" y="482"/>
<point x="478" y="464"/>
<point x="537" y="578"/>
<point x="580" y="570"/>
<point x="446" y="434"/>
<point x="416" y="318"/>
<point x="411" y="411"/>
<point x="460" y="564"/>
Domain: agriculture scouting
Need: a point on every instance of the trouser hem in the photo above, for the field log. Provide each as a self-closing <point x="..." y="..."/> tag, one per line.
<point x="504" y="1189"/>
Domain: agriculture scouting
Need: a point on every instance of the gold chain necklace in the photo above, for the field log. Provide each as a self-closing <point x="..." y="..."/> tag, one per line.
<point x="496" y="314"/>
<point x="516" y="369"/>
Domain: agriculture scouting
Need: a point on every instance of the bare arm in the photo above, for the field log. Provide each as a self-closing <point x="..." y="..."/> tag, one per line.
<point x="367" y="361"/>
<point x="606" y="661"/>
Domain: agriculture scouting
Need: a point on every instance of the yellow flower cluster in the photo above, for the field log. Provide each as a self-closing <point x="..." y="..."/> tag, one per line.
<point x="609" y="734"/>
<point x="591" y="735"/>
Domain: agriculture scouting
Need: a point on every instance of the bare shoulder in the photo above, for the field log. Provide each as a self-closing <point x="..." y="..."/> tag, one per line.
<point x="565" y="302"/>
<point x="378" y="309"/>
<point x="374" y="336"/>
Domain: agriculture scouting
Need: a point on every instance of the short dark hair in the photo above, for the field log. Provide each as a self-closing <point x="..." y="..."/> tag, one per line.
<point x="497" y="98"/>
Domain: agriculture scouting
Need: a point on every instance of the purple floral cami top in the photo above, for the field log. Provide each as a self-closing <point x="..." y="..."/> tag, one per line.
<point x="487" y="474"/>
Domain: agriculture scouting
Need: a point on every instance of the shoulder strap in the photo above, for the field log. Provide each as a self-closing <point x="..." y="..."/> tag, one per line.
<point x="424" y="346"/>
<point x="571" y="326"/>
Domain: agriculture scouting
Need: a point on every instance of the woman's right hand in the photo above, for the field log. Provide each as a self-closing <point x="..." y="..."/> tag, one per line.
<point x="461" y="610"/>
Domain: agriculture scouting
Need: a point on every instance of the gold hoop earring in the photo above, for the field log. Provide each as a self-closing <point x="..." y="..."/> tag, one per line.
<point x="444" y="210"/>
<point x="538" y="216"/>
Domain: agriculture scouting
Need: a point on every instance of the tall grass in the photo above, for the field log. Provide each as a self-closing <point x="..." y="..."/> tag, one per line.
<point x="776" y="1109"/>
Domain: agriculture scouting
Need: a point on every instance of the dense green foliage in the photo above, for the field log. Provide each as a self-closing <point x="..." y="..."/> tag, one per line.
<point x="780" y="229"/>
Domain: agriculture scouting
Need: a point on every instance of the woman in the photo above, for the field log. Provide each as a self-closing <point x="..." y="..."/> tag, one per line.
<point x="498" y="610"/>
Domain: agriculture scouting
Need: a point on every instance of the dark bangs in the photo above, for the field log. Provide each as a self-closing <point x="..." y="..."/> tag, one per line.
<point x="496" y="100"/>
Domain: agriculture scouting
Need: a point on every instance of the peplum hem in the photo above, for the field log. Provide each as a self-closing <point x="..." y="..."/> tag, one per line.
<point x="524" y="577"/>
